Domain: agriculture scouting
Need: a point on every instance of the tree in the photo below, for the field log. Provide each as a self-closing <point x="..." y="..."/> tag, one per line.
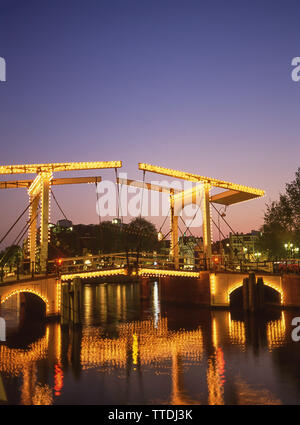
<point x="10" y="256"/>
<point x="138" y="235"/>
<point x="282" y="221"/>
<point x="142" y="236"/>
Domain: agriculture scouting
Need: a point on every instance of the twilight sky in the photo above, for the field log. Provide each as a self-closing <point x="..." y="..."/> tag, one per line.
<point x="200" y="86"/>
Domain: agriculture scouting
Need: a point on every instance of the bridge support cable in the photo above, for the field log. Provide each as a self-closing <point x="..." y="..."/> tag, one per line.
<point x="18" y="239"/>
<point x="25" y="229"/>
<point x="235" y="233"/>
<point x="59" y="207"/>
<point x="182" y="234"/>
<point x="18" y="219"/>
<point x="159" y="231"/>
<point x="188" y="228"/>
<point x="219" y="228"/>
<point x="140" y="234"/>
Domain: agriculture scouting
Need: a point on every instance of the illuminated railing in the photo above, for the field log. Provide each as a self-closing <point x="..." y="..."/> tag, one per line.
<point x="166" y="273"/>
<point x="96" y="273"/>
<point x="197" y="178"/>
<point x="60" y="166"/>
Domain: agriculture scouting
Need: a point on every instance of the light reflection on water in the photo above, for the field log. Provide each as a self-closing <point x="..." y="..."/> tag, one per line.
<point x="133" y="352"/>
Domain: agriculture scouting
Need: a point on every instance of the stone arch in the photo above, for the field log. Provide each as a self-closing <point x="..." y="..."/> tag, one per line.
<point x="5" y="297"/>
<point x="266" y="283"/>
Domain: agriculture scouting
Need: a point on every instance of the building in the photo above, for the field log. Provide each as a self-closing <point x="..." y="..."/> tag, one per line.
<point x="64" y="224"/>
<point x="243" y="245"/>
<point x="190" y="251"/>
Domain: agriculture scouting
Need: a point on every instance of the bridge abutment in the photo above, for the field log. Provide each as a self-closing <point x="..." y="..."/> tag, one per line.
<point x="71" y="301"/>
<point x="47" y="289"/>
<point x="185" y="290"/>
<point x="291" y="290"/>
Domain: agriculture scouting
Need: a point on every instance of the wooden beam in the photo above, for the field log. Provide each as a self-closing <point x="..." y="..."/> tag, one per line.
<point x="147" y="186"/>
<point x="60" y="166"/>
<point x="16" y="184"/>
<point x="197" y="178"/>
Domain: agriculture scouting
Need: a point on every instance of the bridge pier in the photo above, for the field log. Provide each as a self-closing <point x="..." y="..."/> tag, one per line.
<point x="186" y="290"/>
<point x="71" y="301"/>
<point x="46" y="288"/>
<point x="65" y="304"/>
<point x="145" y="291"/>
<point x="253" y="293"/>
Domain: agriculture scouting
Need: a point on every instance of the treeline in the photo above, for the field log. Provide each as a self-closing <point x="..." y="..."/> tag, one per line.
<point x="138" y="235"/>
<point x="280" y="236"/>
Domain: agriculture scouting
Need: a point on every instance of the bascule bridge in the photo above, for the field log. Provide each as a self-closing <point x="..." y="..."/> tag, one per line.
<point x="195" y="287"/>
<point x="39" y="194"/>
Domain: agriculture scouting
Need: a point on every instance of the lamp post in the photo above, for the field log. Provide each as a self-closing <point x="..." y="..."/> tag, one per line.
<point x="289" y="248"/>
<point x="245" y="250"/>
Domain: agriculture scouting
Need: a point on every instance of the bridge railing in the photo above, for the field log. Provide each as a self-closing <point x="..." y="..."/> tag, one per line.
<point x="26" y="270"/>
<point x="273" y="267"/>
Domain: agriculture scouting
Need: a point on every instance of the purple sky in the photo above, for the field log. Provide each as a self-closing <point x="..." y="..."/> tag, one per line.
<point x="200" y="86"/>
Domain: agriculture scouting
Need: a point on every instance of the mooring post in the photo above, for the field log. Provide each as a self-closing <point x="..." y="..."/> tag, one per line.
<point x="65" y="304"/>
<point x="245" y="294"/>
<point x="252" y="292"/>
<point x="144" y="289"/>
<point x="260" y="293"/>
<point x="76" y="283"/>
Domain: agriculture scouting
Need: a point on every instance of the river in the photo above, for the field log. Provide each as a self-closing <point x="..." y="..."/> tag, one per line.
<point x="133" y="352"/>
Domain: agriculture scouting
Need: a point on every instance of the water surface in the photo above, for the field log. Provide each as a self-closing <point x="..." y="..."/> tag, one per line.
<point x="133" y="352"/>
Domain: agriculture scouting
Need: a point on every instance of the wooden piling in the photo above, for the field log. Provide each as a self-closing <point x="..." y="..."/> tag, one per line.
<point x="65" y="304"/>
<point x="260" y="293"/>
<point x="245" y="294"/>
<point x="76" y="283"/>
<point x="252" y="292"/>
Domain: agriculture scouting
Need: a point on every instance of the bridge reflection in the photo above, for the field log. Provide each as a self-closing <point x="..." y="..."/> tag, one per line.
<point x="174" y="343"/>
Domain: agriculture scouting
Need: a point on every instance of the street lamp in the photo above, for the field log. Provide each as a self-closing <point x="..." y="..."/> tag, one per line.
<point x="289" y="248"/>
<point x="160" y="236"/>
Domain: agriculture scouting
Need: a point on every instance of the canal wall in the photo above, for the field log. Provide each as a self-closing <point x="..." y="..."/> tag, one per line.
<point x="181" y="290"/>
<point x="291" y="290"/>
<point x="215" y="289"/>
